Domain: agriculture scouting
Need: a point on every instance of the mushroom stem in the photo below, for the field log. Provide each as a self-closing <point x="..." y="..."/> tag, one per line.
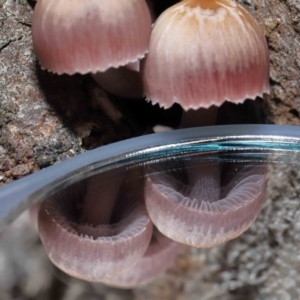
<point x="123" y="81"/>
<point x="204" y="181"/>
<point x="100" y="198"/>
<point x="199" y="117"/>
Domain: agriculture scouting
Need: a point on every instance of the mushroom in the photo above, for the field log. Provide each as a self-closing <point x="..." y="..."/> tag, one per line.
<point x="85" y="36"/>
<point x="159" y="256"/>
<point x="203" y="52"/>
<point x="210" y="205"/>
<point x="96" y="229"/>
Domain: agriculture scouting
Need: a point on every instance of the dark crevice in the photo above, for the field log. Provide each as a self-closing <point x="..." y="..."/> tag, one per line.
<point x="9" y="42"/>
<point x="5" y="45"/>
<point x="276" y="100"/>
<point x="160" y="6"/>
<point x="25" y="24"/>
<point x="295" y="113"/>
<point x="31" y="3"/>
<point x="274" y="82"/>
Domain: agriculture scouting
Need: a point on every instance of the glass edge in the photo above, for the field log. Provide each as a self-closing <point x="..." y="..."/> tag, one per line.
<point x="17" y="196"/>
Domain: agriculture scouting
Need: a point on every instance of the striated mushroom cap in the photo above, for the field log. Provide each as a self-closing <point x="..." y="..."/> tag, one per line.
<point x="104" y="248"/>
<point x="84" y="36"/>
<point x="159" y="256"/>
<point x="203" y="52"/>
<point x="201" y="213"/>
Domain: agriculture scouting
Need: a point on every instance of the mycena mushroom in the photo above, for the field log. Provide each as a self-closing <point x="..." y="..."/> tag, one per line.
<point x="98" y="37"/>
<point x="96" y="229"/>
<point x="99" y="230"/>
<point x="89" y="35"/>
<point x="210" y="206"/>
<point x="201" y="54"/>
<point x="159" y="256"/>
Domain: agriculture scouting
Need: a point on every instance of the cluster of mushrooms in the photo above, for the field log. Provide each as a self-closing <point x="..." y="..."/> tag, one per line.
<point x="198" y="53"/>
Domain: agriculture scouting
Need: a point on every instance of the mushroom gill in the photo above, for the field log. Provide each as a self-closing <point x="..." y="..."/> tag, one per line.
<point x="189" y="211"/>
<point x="89" y="248"/>
<point x="159" y="256"/>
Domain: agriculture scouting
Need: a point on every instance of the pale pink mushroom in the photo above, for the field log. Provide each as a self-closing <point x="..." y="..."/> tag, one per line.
<point x="209" y="205"/>
<point x="82" y="36"/>
<point x="159" y="256"/>
<point x="203" y="52"/>
<point x="96" y="229"/>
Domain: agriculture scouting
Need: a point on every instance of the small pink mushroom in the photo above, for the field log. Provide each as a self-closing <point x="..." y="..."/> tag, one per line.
<point x="159" y="256"/>
<point x="209" y="206"/>
<point x="95" y="229"/>
<point x="85" y="36"/>
<point x="203" y="52"/>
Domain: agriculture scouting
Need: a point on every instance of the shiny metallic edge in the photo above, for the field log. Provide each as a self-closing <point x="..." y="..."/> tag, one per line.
<point x="21" y="194"/>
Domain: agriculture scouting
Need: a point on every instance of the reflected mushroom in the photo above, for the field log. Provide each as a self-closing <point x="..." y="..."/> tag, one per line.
<point x="195" y="212"/>
<point x="95" y="229"/>
<point x="159" y="256"/>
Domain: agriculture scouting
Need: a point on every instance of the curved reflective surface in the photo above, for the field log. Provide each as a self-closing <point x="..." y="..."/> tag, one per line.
<point x="197" y="198"/>
<point x="233" y="143"/>
<point x="148" y="196"/>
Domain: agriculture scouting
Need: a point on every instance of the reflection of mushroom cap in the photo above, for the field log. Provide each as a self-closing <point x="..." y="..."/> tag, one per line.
<point x="159" y="256"/>
<point x="204" y="223"/>
<point x="88" y="252"/>
<point x="205" y="52"/>
<point x="84" y="36"/>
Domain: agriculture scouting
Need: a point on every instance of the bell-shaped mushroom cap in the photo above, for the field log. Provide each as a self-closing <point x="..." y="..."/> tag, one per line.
<point x="84" y="36"/>
<point x="201" y="213"/>
<point x="202" y="53"/>
<point x="159" y="256"/>
<point x="106" y="247"/>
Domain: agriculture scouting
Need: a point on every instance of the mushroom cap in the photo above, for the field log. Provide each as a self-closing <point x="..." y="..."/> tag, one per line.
<point x="84" y="36"/>
<point x="160" y="255"/>
<point x="206" y="215"/>
<point x="94" y="252"/>
<point x="202" y="53"/>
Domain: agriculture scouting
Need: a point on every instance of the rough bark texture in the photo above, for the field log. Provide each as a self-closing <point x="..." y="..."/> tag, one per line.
<point x="46" y="118"/>
<point x="281" y="22"/>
